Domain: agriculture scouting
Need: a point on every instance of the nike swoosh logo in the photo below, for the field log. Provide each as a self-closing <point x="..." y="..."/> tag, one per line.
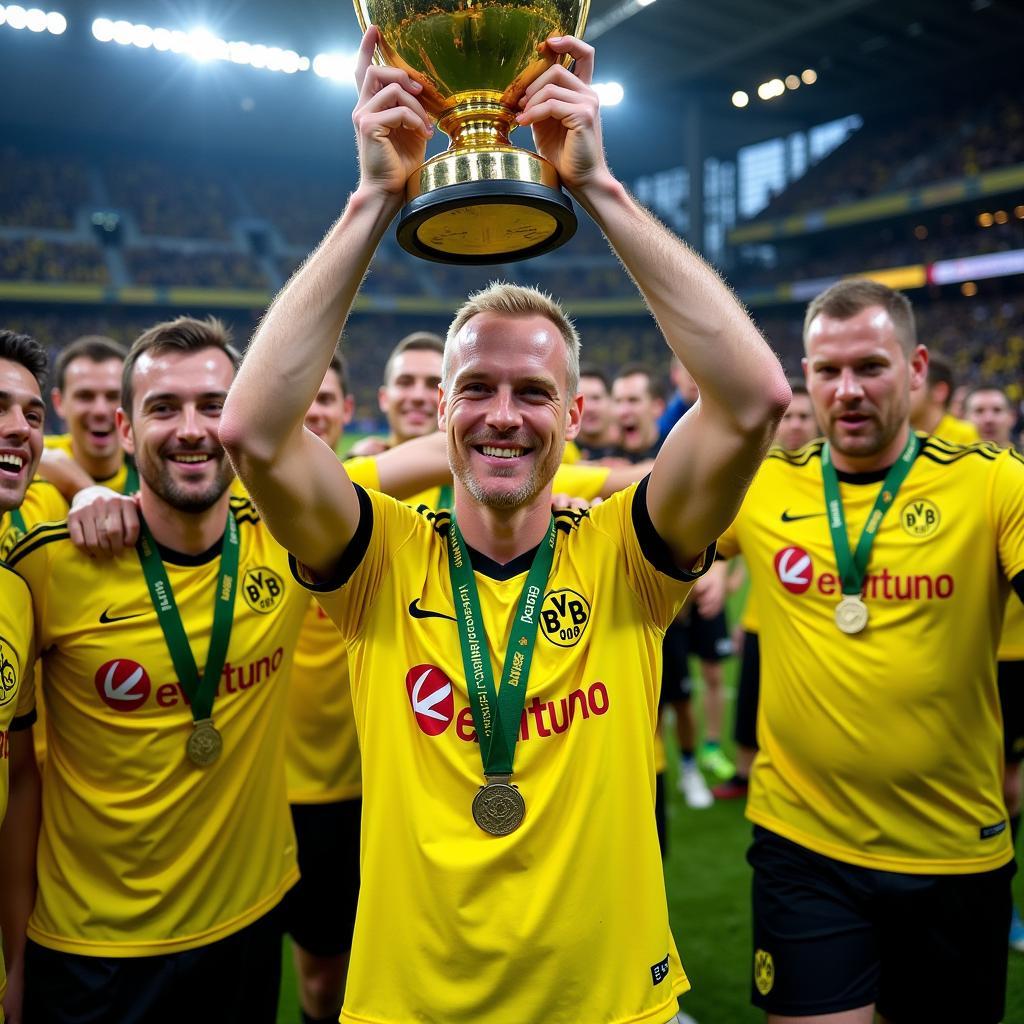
<point x="421" y="613"/>
<point x="787" y="518"/>
<point x="106" y="618"/>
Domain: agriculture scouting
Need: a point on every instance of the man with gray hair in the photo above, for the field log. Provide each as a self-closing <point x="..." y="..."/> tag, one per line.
<point x="505" y="819"/>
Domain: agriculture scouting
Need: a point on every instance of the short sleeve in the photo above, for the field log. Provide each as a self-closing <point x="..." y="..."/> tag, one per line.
<point x="649" y="567"/>
<point x="362" y="470"/>
<point x="585" y="482"/>
<point x="385" y="525"/>
<point x="1008" y="511"/>
<point x="729" y="542"/>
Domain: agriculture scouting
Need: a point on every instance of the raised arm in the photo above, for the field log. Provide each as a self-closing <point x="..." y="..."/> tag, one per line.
<point x="709" y="458"/>
<point x="299" y="486"/>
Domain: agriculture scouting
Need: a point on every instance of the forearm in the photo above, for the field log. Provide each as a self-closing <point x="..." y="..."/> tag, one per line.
<point x="63" y="472"/>
<point x="292" y="349"/>
<point x="415" y="466"/>
<point x="738" y="375"/>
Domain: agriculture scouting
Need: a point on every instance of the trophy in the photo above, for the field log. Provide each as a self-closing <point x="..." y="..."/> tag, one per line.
<point x="483" y="200"/>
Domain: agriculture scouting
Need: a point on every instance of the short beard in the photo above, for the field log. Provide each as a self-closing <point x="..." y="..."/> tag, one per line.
<point x="537" y="480"/>
<point x="158" y="478"/>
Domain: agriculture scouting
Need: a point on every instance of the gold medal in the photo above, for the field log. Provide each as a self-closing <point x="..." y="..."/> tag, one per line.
<point x="205" y="743"/>
<point x="851" y="614"/>
<point x="499" y="807"/>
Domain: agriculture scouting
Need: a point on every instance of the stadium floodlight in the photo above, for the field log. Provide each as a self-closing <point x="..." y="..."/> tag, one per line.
<point x="740" y="98"/>
<point x="123" y="32"/>
<point x="142" y="36"/>
<point x="792" y="81"/>
<point x="56" y="23"/>
<point x="770" y="90"/>
<point x="809" y="76"/>
<point x="611" y="94"/>
<point x="340" y="67"/>
<point x="1018" y="212"/>
<point x="644" y="3"/>
<point x="17" y="17"/>
<point x="35" y="20"/>
<point x="103" y="30"/>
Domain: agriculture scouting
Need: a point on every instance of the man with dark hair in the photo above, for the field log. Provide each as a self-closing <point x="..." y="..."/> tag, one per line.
<point x="86" y="394"/>
<point x="989" y="409"/>
<point x="465" y="887"/>
<point x="22" y="414"/>
<point x="881" y="853"/>
<point x="599" y="434"/>
<point x="929" y="406"/>
<point x="637" y="401"/>
<point x="164" y="799"/>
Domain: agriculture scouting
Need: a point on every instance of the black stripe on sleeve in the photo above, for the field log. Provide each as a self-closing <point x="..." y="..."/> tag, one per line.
<point x="23" y="722"/>
<point x="1018" y="584"/>
<point x="352" y="556"/>
<point x="655" y="550"/>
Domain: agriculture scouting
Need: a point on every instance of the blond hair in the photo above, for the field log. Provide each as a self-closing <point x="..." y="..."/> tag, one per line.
<point x="515" y="300"/>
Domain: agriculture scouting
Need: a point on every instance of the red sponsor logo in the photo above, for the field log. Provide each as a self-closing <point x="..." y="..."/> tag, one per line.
<point x="123" y="685"/>
<point x="794" y="569"/>
<point x="432" y="699"/>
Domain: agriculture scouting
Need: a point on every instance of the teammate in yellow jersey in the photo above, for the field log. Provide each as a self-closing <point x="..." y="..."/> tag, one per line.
<point x="22" y="414"/>
<point x="165" y="797"/>
<point x="798" y="427"/>
<point x="599" y="431"/>
<point x="505" y="914"/>
<point x="881" y="848"/>
<point x="929" y="405"/>
<point x="989" y="409"/>
<point x="86" y="394"/>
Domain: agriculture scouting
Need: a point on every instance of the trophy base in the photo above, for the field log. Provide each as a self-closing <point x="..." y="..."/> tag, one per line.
<point x="476" y="223"/>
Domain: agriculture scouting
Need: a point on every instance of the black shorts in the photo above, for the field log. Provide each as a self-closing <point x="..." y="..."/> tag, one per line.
<point x="1011" y="699"/>
<point x="676" y="684"/>
<point x="709" y="638"/>
<point x="748" y="692"/>
<point x="829" y="936"/>
<point x="235" y="980"/>
<point x="320" y="910"/>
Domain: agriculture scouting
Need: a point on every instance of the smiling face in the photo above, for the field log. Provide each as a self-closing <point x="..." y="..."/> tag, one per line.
<point x="176" y="407"/>
<point x="22" y="414"/>
<point x="87" y="403"/>
<point x="505" y="408"/>
<point x="409" y="397"/>
<point x="331" y="410"/>
<point x="860" y="380"/>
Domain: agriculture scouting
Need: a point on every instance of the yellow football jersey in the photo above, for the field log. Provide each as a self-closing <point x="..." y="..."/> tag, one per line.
<point x="62" y="442"/>
<point x="884" y="748"/>
<point x="750" y="621"/>
<point x="42" y="503"/>
<point x="532" y="926"/>
<point x="956" y="431"/>
<point x="16" y="686"/>
<point x="164" y="856"/>
<point x="322" y="751"/>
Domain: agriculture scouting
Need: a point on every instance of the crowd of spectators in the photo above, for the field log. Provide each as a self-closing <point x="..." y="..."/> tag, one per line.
<point x="195" y="269"/>
<point x="302" y="209"/>
<point x="41" y="191"/>
<point x="32" y="259"/>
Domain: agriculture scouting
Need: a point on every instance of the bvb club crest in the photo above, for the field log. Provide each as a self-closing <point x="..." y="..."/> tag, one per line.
<point x="764" y="971"/>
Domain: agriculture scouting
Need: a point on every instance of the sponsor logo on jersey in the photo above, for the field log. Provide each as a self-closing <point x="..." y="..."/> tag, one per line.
<point x="262" y="589"/>
<point x="432" y="698"/>
<point x="764" y="971"/>
<point x="794" y="569"/>
<point x="106" y="618"/>
<point x="564" y="616"/>
<point x="920" y="518"/>
<point x="543" y="719"/>
<point x="233" y="679"/>
<point x="790" y="517"/>
<point x="122" y="684"/>
<point x="8" y="672"/>
<point x="424" y="613"/>
<point x="659" y="972"/>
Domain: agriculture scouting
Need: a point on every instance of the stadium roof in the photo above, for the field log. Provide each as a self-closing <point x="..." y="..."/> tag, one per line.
<point x="866" y="52"/>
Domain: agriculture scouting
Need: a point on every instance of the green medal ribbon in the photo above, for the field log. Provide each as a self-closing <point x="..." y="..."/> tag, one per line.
<point x="18" y="521"/>
<point x="131" y="477"/>
<point x="497" y="714"/>
<point x="853" y="566"/>
<point x="200" y="691"/>
<point x="444" y="497"/>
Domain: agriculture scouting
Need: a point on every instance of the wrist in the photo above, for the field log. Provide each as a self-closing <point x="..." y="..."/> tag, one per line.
<point x="601" y="191"/>
<point x="369" y="200"/>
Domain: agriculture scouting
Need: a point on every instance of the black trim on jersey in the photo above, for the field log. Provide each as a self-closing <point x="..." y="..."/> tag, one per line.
<point x="871" y="476"/>
<point x="172" y="557"/>
<point x="487" y="566"/>
<point x="352" y="556"/>
<point x="655" y="550"/>
<point x="39" y="535"/>
<point x="23" y="722"/>
<point x="1018" y="584"/>
<point x="797" y="456"/>
<point x="944" y="452"/>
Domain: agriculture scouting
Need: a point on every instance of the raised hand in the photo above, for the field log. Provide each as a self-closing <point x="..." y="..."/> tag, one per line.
<point x="392" y="128"/>
<point x="564" y="113"/>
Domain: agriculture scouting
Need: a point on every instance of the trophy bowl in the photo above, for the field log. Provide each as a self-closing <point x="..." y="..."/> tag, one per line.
<point x="483" y="200"/>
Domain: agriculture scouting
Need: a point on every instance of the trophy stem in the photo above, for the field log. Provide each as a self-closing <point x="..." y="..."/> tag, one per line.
<point x="478" y="124"/>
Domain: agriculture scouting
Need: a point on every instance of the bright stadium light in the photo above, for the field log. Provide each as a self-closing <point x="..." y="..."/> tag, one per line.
<point x="644" y="3"/>
<point x="17" y="17"/>
<point x="792" y="81"/>
<point x="611" y="94"/>
<point x="740" y="98"/>
<point x="340" y="67"/>
<point x="809" y="76"/>
<point x="56" y="23"/>
<point x="123" y="32"/>
<point x="35" y="20"/>
<point x="103" y="29"/>
<point x="769" y="90"/>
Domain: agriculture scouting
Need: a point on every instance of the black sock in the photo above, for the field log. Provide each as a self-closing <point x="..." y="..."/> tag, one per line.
<point x="687" y="755"/>
<point x="331" y="1018"/>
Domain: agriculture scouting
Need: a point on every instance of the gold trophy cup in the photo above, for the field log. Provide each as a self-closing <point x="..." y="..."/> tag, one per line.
<point x="483" y="200"/>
